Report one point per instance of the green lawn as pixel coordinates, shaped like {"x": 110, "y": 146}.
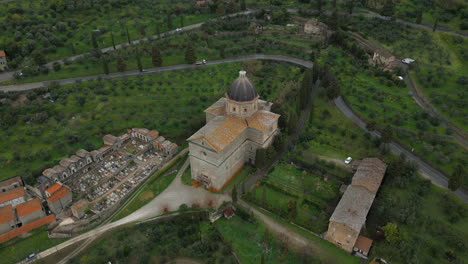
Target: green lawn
{"x": 18, "y": 249}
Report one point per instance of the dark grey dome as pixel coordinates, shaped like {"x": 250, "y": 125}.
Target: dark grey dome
{"x": 242, "y": 89}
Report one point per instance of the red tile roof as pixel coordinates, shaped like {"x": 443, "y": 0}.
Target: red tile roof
{"x": 153, "y": 133}
{"x": 2, "y": 53}
{"x": 28, "y": 207}
{"x": 53, "y": 188}
{"x": 11, "y": 194}
{"x": 6, "y": 213}
{"x": 58, "y": 194}
{"x": 363, "y": 243}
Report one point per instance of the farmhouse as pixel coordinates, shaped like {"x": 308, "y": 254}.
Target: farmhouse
{"x": 350, "y": 214}
{"x": 13, "y": 196}
{"x": 30, "y": 211}
{"x": 7, "y": 219}
{"x": 3, "y": 61}
{"x": 236, "y": 126}
{"x": 11, "y": 183}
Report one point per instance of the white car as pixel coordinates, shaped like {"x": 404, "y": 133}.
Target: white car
{"x": 407, "y": 61}
{"x": 178, "y": 30}
{"x": 400, "y": 78}
{"x": 348, "y": 160}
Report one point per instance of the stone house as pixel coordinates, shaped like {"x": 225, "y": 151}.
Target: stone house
{"x": 350, "y": 215}
{"x": 384, "y": 59}
{"x": 144, "y": 134}
{"x": 58, "y": 197}
{"x": 13, "y": 196}
{"x": 236, "y": 126}
{"x": 314, "y": 27}
{"x": 7, "y": 218}
{"x": 79, "y": 207}
{"x": 362, "y": 246}
{"x": 3, "y": 61}
{"x": 11, "y": 183}
{"x": 30, "y": 211}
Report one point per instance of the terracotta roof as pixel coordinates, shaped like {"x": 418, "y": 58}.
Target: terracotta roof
{"x": 363, "y": 243}
{"x": 218, "y": 108}
{"x": 82, "y": 153}
{"x": 2, "y": 53}
{"x": 28, "y": 207}
{"x": 370, "y": 174}
{"x": 58, "y": 194}
{"x": 11, "y": 194}
{"x": 6, "y": 213}
{"x": 353, "y": 207}
{"x": 262, "y": 120}
{"x": 10, "y": 181}
{"x": 220, "y": 131}
{"x": 153, "y": 133}
{"x": 53, "y": 188}
{"x": 80, "y": 205}
{"x": 228, "y": 212}
{"x": 109, "y": 139}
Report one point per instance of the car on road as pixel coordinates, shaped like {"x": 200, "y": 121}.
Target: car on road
{"x": 31, "y": 257}
{"x": 407, "y": 61}
{"x": 178, "y": 30}
{"x": 348, "y": 160}
{"x": 202, "y": 62}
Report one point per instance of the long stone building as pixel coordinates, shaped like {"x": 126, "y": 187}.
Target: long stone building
{"x": 236, "y": 126}
{"x": 350, "y": 214}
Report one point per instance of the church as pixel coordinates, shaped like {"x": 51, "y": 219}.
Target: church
{"x": 236, "y": 126}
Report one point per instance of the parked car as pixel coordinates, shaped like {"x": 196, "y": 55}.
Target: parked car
{"x": 200, "y": 62}
{"x": 178, "y": 30}
{"x": 348, "y": 160}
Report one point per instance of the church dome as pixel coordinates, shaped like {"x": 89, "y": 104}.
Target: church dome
{"x": 242, "y": 89}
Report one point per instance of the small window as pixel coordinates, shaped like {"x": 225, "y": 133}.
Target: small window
{"x": 234, "y": 109}
{"x": 204, "y": 153}
{"x": 245, "y": 109}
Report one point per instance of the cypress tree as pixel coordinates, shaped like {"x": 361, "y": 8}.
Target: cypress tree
{"x": 112, "y": 38}
{"x": 181, "y": 21}
{"x": 234, "y": 194}
{"x": 139, "y": 64}
{"x": 190, "y": 56}
{"x": 243, "y": 5}
{"x": 93, "y": 40}
{"x": 105, "y": 65}
{"x": 456, "y": 179}
{"x": 169, "y": 21}
{"x": 128, "y": 36}
{"x": 156, "y": 56}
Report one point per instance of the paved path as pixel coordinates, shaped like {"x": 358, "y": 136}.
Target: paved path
{"x": 435, "y": 176}
{"x": 170, "y": 199}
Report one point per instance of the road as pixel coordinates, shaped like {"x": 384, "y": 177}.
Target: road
{"x": 170, "y": 199}
{"x": 435, "y": 176}
{"x": 426, "y": 170}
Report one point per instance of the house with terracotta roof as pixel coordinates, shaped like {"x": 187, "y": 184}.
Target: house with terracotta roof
{"x": 236, "y": 126}
{"x": 11, "y": 183}
{"x": 350, "y": 214}
{"x": 30, "y": 211}
{"x": 14, "y": 196}
{"x": 7, "y": 218}
{"x": 3, "y": 61}
{"x": 58, "y": 197}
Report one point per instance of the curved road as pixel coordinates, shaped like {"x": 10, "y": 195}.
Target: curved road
{"x": 425, "y": 169}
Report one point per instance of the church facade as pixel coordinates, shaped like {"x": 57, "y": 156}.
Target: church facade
{"x": 236, "y": 126}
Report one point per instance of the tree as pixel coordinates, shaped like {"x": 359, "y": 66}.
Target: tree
{"x": 387, "y": 134}
{"x": 292, "y": 209}
{"x": 350, "y": 5}
{"x": 139, "y": 64}
{"x": 105, "y": 65}
{"x": 261, "y": 158}
{"x": 392, "y": 233}
{"x": 121, "y": 65}
{"x": 435, "y": 25}
{"x": 169, "y": 20}
{"x": 93, "y": 40}
{"x": 220, "y": 11}
{"x": 419, "y": 15}
{"x": 234, "y": 194}
{"x": 243, "y": 5}
{"x": 181, "y": 21}
{"x": 333, "y": 20}
{"x": 57, "y": 66}
{"x": 371, "y": 125}
{"x": 128, "y": 36}
{"x": 332, "y": 89}
{"x": 156, "y": 56}
{"x": 112, "y": 39}
{"x": 457, "y": 178}
{"x": 39, "y": 58}
{"x": 190, "y": 56}
{"x": 318, "y": 6}
{"x": 388, "y": 8}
